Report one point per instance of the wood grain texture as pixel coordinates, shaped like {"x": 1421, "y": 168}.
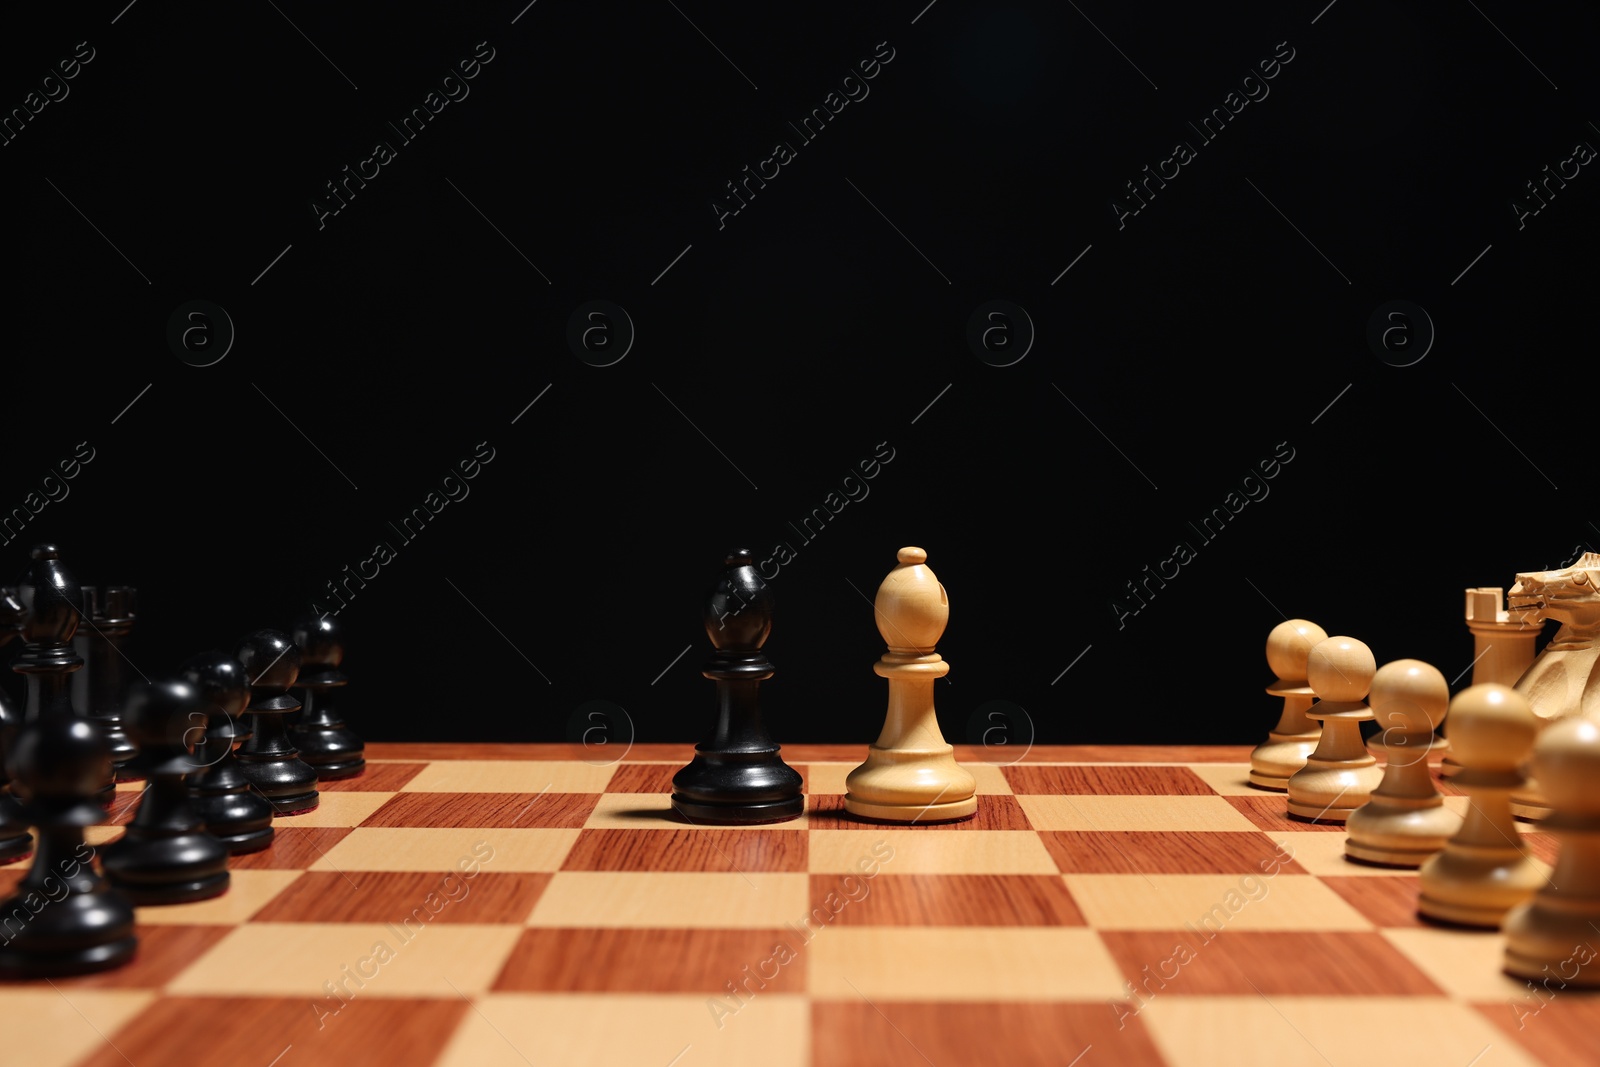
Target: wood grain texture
{"x": 1168, "y": 963}
{"x": 394, "y": 896}
{"x": 1559, "y": 1026}
{"x": 688, "y": 850}
{"x": 914, "y": 1034}
{"x": 1388, "y": 902}
{"x": 292, "y": 848}
{"x": 1154, "y": 851}
{"x": 942, "y": 900}
{"x": 1271, "y": 813}
{"x": 661, "y": 960}
{"x": 555, "y": 810}
{"x": 1110, "y": 781}
{"x": 378, "y": 777}
{"x": 230, "y": 1031}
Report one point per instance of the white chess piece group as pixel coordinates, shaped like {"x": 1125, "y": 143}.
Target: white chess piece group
{"x": 1474, "y": 871}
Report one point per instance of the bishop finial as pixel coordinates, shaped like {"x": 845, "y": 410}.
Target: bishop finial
{"x": 738, "y": 612}
{"x": 911, "y": 609}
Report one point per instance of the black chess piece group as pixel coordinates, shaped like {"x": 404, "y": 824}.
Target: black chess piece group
{"x": 63, "y": 746}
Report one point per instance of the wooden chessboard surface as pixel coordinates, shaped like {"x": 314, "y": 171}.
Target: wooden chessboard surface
{"x": 491, "y": 905}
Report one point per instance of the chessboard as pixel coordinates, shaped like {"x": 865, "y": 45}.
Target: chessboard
{"x": 490, "y": 905}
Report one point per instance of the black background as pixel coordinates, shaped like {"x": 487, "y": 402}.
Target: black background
{"x": 824, "y": 322}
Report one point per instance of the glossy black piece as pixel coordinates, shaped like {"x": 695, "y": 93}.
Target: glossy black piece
{"x": 109, "y": 612}
{"x": 165, "y": 856}
{"x": 737, "y": 775}
{"x": 12, "y": 618}
{"x": 231, "y": 811}
{"x": 53, "y": 602}
{"x": 15, "y": 843}
{"x": 268, "y": 759}
{"x": 331, "y": 748}
{"x": 63, "y": 918}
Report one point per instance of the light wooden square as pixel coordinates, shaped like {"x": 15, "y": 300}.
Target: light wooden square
{"x": 615, "y": 1030}
{"x": 337, "y": 809}
{"x": 296, "y": 959}
{"x": 428, "y": 848}
{"x": 930, "y": 852}
{"x": 1319, "y": 1031}
{"x": 1223, "y": 901}
{"x": 824, "y": 778}
{"x": 653, "y": 811}
{"x": 103, "y": 834}
{"x": 1228, "y": 779}
{"x": 1464, "y": 963}
{"x": 248, "y": 892}
{"x": 758, "y": 900}
{"x": 1099, "y": 813}
{"x": 47, "y": 1027}
{"x": 1322, "y": 853}
{"x": 510, "y": 776}
{"x": 960, "y": 963}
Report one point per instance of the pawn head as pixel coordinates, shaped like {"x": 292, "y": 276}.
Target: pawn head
{"x": 1341, "y": 669}
{"x": 1492, "y": 728}
{"x": 320, "y": 639}
{"x": 1566, "y": 761}
{"x": 165, "y": 717}
{"x": 270, "y": 659}
{"x": 1289, "y": 648}
{"x": 1409, "y": 696}
{"x": 58, "y": 766}
{"x": 221, "y": 682}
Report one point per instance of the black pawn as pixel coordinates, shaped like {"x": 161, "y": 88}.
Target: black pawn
{"x": 15, "y": 841}
{"x": 737, "y": 776}
{"x": 231, "y": 811}
{"x": 64, "y": 918}
{"x": 268, "y": 759}
{"x": 165, "y": 856}
{"x": 325, "y": 742}
{"x": 109, "y": 613}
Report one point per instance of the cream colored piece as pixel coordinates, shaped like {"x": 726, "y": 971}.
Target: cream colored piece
{"x": 911, "y": 774}
{"x": 1295, "y": 737}
{"x": 1406, "y": 821}
{"x": 1503, "y": 642}
{"x": 1552, "y": 936}
{"x": 1340, "y": 775}
{"x": 1483, "y": 871}
{"x": 1564, "y": 680}
{"x": 1503, "y": 645}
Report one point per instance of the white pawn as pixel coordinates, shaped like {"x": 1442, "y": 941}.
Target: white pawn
{"x": 1484, "y": 871}
{"x": 1554, "y": 934}
{"x": 1340, "y": 775}
{"x": 1295, "y": 737}
{"x": 1406, "y": 821}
